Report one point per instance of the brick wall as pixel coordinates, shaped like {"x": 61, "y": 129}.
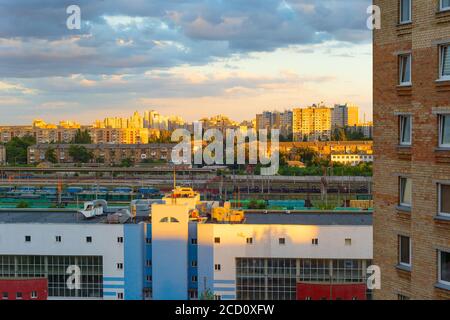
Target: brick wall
{"x": 422, "y": 162}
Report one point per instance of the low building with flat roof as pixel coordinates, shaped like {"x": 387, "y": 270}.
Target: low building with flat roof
{"x": 176, "y": 250}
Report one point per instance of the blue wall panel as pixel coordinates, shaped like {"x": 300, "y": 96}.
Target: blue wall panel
{"x": 134, "y": 261}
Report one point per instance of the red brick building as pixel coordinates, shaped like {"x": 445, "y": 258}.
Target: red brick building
{"x": 23, "y": 289}
{"x": 412, "y": 148}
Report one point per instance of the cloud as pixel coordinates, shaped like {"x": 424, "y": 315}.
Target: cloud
{"x": 131, "y": 36}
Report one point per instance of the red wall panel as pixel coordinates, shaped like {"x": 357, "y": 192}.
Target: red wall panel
{"x": 11, "y": 287}
{"x": 323, "y": 291}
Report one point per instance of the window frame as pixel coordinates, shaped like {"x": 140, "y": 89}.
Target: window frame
{"x": 441, "y": 130}
{"x": 440, "y": 213}
{"x": 441, "y": 6}
{"x": 400, "y": 11}
{"x": 402, "y": 127}
{"x": 401, "y": 192}
{"x": 401, "y": 66}
{"x": 408, "y": 265}
{"x": 441, "y": 61}
{"x": 447, "y": 283}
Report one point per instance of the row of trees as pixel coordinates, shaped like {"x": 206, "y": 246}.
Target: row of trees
{"x": 16, "y": 149}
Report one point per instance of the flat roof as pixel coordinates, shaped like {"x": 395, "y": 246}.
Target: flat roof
{"x": 311, "y": 218}
{"x": 48, "y": 216}
{"x": 42, "y": 216}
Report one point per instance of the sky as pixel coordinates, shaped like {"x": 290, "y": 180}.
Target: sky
{"x": 192, "y": 58}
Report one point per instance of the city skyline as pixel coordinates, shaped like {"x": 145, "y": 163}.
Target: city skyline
{"x": 68, "y": 122}
{"x": 233, "y": 57}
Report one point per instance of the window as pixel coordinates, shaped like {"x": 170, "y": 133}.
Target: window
{"x": 120, "y": 266}
{"x": 444, "y": 130}
{"x": 405, "y": 11}
{"x": 217, "y": 267}
{"x": 194, "y": 241}
{"x": 54, "y": 269}
{"x": 27, "y": 238}
{"x": 217, "y": 297}
{"x": 444, "y": 199}
{"x": 193, "y": 294}
{"x": 282, "y": 241}
{"x": 194, "y": 263}
{"x": 249, "y": 240}
{"x": 405, "y": 69}
{"x": 148, "y": 240}
{"x": 120, "y": 295}
{"x": 348, "y": 242}
{"x": 88, "y": 239}
{"x": 34, "y": 295}
{"x": 169, "y": 220}
{"x": 404, "y": 251}
{"x": 445, "y": 5}
{"x": 19, "y": 295}
{"x": 444, "y": 267}
{"x": 444, "y": 69}
{"x": 120, "y": 239}
{"x": 194, "y": 278}
{"x": 5, "y": 296}
{"x": 149, "y": 263}
{"x": 149, "y": 278}
{"x": 405, "y": 192}
{"x": 405, "y": 130}
{"x": 58, "y": 238}
{"x": 402, "y": 297}
{"x": 217, "y": 240}
{"x": 315, "y": 242}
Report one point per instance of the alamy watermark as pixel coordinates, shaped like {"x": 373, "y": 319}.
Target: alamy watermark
{"x": 73, "y": 22}
{"x": 191, "y": 148}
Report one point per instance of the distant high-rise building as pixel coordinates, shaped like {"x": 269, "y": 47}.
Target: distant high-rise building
{"x": 312, "y": 123}
{"x": 345, "y": 115}
{"x": 275, "y": 120}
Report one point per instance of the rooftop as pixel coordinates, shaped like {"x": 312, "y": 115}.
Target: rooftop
{"x": 311, "y": 218}
{"x": 58, "y": 216}
{"x": 47, "y": 216}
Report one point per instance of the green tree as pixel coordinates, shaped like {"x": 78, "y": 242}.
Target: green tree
{"x": 80, "y": 154}
{"x": 308, "y": 156}
{"x": 340, "y": 134}
{"x": 50, "y": 155}
{"x": 127, "y": 162}
{"x": 16, "y": 149}
{"x": 22, "y": 205}
{"x": 82, "y": 137}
